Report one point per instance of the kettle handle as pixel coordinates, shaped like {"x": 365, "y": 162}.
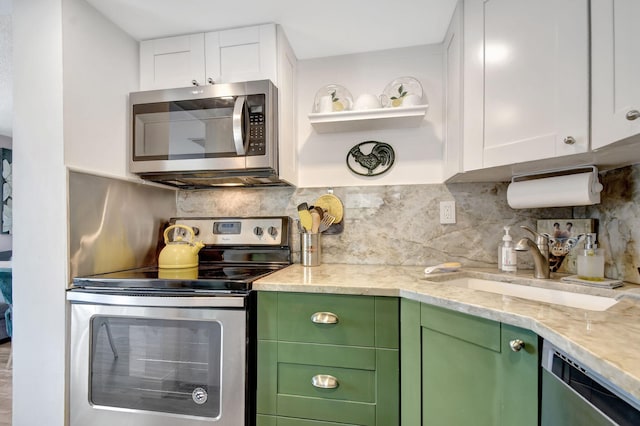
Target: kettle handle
{"x": 188, "y": 228}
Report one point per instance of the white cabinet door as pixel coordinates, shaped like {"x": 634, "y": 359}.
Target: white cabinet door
{"x": 241, "y": 54}
{"x": 452, "y": 63}
{"x": 615, "y": 78}
{"x": 526, "y": 80}
{"x": 171, "y": 62}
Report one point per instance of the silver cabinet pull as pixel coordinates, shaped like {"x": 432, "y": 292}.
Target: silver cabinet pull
{"x": 324, "y": 381}
{"x": 324, "y": 318}
{"x": 210, "y": 81}
{"x": 516, "y": 345}
{"x": 195, "y": 82}
{"x": 569, "y": 140}
{"x": 633, "y": 115}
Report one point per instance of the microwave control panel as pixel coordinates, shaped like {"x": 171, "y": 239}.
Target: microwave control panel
{"x": 257, "y": 128}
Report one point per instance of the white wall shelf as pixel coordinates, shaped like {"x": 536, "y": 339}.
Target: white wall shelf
{"x": 370, "y": 119}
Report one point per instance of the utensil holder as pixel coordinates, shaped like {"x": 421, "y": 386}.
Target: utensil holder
{"x": 310, "y": 249}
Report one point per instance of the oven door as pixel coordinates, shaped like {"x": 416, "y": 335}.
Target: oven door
{"x": 166, "y": 366}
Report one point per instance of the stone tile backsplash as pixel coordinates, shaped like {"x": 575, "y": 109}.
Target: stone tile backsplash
{"x": 400, "y": 225}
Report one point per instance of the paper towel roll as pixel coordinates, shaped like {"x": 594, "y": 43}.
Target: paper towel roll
{"x": 558, "y": 191}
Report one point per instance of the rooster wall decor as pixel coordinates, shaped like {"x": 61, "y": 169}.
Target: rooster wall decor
{"x": 381, "y": 156}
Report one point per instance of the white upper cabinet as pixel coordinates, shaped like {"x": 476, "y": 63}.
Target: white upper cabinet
{"x": 615, "y": 71}
{"x": 526, "y": 87}
{"x": 240, "y": 54}
{"x": 172, "y": 62}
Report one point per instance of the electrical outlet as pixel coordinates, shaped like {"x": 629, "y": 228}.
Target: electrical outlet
{"x": 447, "y": 212}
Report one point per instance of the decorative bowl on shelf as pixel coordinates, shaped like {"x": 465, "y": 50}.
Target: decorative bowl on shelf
{"x": 332, "y": 98}
{"x": 402, "y": 92}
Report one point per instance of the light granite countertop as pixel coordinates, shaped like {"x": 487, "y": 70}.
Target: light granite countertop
{"x": 607, "y": 342}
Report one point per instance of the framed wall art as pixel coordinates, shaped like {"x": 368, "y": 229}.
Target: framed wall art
{"x": 6, "y": 207}
{"x": 565, "y": 237}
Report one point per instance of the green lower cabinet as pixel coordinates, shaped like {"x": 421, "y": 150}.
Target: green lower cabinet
{"x": 359, "y": 362}
{"x": 460, "y": 370}
{"x": 287, "y": 421}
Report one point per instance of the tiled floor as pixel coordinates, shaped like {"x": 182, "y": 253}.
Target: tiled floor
{"x": 5, "y": 385}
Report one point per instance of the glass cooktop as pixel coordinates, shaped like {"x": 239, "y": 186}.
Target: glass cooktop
{"x": 205, "y": 277}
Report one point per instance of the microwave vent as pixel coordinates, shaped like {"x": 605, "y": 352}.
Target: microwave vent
{"x": 204, "y": 180}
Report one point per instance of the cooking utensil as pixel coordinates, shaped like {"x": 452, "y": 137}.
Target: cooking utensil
{"x": 332, "y": 205}
{"x": 305, "y": 216}
{"x": 326, "y": 222}
{"x": 315, "y": 221}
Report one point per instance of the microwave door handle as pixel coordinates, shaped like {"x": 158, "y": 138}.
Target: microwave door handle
{"x": 238, "y": 128}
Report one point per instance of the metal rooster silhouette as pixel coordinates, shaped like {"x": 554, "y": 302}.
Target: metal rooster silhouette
{"x": 381, "y": 154}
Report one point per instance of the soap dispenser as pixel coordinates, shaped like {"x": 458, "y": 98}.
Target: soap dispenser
{"x": 507, "y": 255}
{"x": 590, "y": 261}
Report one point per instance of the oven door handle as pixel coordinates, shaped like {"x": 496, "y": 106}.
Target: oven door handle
{"x": 158, "y": 301}
{"x": 239, "y": 134}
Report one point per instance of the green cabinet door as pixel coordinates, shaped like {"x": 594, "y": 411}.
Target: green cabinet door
{"x": 470, "y": 374}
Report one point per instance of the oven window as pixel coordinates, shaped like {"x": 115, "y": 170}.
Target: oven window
{"x": 159, "y": 365}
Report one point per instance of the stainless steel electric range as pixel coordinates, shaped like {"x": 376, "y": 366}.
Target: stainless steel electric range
{"x": 179, "y": 351}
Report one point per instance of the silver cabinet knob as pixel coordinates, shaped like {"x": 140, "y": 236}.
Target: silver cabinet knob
{"x": 210, "y": 81}
{"x": 516, "y": 345}
{"x": 633, "y": 115}
{"x": 195, "y": 82}
{"x": 324, "y": 318}
{"x": 569, "y": 140}
{"x": 324, "y": 381}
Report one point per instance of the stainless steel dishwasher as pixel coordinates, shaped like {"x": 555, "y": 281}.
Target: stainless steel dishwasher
{"x": 572, "y": 395}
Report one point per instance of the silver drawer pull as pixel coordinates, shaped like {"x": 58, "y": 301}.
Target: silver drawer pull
{"x": 324, "y": 318}
{"x": 324, "y": 381}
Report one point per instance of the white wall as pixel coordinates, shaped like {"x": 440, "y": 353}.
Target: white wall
{"x": 40, "y": 187}
{"x": 100, "y": 69}
{"x": 85, "y": 108}
{"x": 418, "y": 151}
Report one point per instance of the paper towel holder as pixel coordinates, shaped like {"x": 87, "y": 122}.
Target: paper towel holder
{"x": 596, "y": 186}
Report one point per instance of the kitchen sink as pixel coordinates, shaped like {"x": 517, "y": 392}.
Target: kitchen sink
{"x": 557, "y": 297}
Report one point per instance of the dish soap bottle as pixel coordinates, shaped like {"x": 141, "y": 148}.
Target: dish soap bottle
{"x": 590, "y": 261}
{"x": 507, "y": 255}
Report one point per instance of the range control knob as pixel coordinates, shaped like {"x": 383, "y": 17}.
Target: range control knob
{"x": 273, "y": 231}
{"x": 258, "y": 231}
{"x": 196, "y": 230}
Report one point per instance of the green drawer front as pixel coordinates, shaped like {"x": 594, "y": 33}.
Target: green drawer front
{"x": 353, "y": 384}
{"x": 479, "y": 331}
{"x": 329, "y": 410}
{"x": 355, "y": 326}
{"x": 327, "y": 355}
{"x": 287, "y": 421}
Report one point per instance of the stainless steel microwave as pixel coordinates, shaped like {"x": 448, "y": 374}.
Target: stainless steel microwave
{"x": 204, "y": 136}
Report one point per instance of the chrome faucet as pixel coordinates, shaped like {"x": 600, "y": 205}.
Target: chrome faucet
{"x": 539, "y": 250}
